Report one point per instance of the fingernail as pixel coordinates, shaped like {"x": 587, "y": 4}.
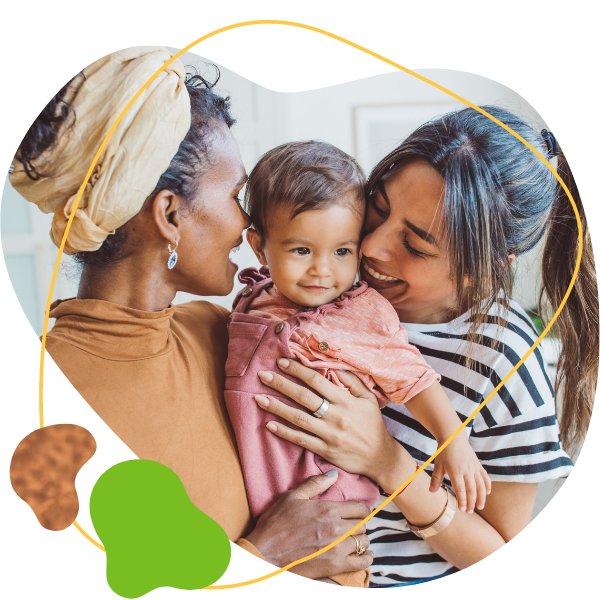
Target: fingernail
{"x": 283, "y": 362}
{"x": 262, "y": 401}
{"x": 271, "y": 426}
{"x": 331, "y": 473}
{"x": 470, "y": 512}
{"x": 265, "y": 376}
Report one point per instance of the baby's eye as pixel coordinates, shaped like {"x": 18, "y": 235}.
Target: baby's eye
{"x": 343, "y": 252}
{"x": 301, "y": 251}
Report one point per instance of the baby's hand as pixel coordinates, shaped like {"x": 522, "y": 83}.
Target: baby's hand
{"x": 469, "y": 479}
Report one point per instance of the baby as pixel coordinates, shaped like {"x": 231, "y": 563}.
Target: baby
{"x": 307, "y": 203}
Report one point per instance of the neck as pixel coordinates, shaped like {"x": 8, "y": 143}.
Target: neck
{"x": 426, "y": 317}
{"x": 441, "y": 313}
{"x": 130, "y": 282}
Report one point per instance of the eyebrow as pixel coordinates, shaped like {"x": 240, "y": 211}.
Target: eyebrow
{"x": 308, "y": 242}
{"x": 424, "y": 235}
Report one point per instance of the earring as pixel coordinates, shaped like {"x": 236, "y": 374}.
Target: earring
{"x": 172, "y": 256}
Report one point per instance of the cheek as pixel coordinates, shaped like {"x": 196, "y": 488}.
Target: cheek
{"x": 426, "y": 274}
{"x": 346, "y": 271}
{"x": 282, "y": 268}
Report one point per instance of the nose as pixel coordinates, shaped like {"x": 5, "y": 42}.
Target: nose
{"x": 320, "y": 267}
{"x": 378, "y": 244}
{"x": 246, "y": 217}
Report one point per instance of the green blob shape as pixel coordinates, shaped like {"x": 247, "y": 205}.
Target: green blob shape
{"x": 153, "y": 535}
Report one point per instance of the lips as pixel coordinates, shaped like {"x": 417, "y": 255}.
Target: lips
{"x": 378, "y": 275}
{"x": 237, "y": 245}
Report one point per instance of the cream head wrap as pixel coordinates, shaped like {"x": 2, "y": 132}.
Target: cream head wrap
{"x": 137, "y": 154}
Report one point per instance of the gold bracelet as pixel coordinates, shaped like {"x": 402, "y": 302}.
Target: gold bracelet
{"x": 442, "y": 521}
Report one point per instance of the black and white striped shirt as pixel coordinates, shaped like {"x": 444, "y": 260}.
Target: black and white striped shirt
{"x": 515, "y": 435}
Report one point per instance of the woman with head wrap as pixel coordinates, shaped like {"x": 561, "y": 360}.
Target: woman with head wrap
{"x": 161, "y": 214}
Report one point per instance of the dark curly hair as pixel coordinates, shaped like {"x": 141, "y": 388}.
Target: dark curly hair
{"x": 209, "y": 111}
{"x": 43, "y": 132}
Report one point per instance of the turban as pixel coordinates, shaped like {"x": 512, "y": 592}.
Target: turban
{"x": 137, "y": 154}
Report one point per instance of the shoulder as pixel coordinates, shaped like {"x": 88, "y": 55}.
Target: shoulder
{"x": 507, "y": 336}
{"x": 372, "y": 304}
{"x": 509, "y": 324}
{"x": 202, "y": 325}
{"x": 200, "y": 312}
{"x": 366, "y": 314}
{"x": 506, "y": 331}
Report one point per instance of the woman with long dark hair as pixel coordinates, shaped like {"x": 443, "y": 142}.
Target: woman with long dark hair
{"x": 450, "y": 210}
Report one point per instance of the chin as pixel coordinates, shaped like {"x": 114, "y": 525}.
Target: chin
{"x": 221, "y": 286}
{"x": 227, "y": 287}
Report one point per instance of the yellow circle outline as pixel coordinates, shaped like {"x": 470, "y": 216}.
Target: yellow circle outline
{"x": 405, "y": 70}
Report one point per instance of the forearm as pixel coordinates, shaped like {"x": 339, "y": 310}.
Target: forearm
{"x": 467, "y": 539}
{"x": 470, "y": 538}
{"x": 433, "y": 409}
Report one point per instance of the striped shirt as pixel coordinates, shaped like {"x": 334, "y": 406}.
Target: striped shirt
{"x": 515, "y": 435}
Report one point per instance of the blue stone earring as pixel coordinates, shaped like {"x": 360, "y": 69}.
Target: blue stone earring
{"x": 172, "y": 256}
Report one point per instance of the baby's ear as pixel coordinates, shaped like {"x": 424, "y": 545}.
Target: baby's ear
{"x": 256, "y": 244}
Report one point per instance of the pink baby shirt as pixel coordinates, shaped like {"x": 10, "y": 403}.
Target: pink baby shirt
{"x": 358, "y": 332}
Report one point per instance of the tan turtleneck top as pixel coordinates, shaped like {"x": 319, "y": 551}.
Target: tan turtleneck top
{"x": 157, "y": 380}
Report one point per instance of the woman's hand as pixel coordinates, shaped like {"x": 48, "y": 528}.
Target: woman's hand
{"x": 296, "y": 526}
{"x": 351, "y": 434}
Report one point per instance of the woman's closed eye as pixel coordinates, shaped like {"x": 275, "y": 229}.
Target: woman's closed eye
{"x": 238, "y": 201}
{"x": 412, "y": 250}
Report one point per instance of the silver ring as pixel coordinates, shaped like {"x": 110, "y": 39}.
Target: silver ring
{"x": 322, "y": 409}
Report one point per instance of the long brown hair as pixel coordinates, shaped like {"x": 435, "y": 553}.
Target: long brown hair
{"x": 577, "y": 324}
{"x": 500, "y": 199}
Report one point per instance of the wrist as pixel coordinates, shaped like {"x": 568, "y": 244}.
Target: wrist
{"x": 384, "y": 493}
{"x": 441, "y": 522}
{"x": 256, "y": 539}
{"x": 442, "y": 436}
{"x": 398, "y": 467}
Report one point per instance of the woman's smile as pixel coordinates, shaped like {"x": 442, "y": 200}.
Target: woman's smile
{"x": 235, "y": 248}
{"x": 376, "y": 278}
{"x": 378, "y": 273}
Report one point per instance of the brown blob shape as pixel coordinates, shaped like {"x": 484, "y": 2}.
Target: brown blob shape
{"x": 43, "y": 470}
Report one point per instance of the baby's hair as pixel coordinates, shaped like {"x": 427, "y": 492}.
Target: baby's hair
{"x": 301, "y": 176}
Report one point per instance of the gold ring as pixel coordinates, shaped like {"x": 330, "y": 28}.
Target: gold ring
{"x": 360, "y": 549}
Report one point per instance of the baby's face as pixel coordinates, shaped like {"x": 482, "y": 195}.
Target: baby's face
{"x": 313, "y": 258}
